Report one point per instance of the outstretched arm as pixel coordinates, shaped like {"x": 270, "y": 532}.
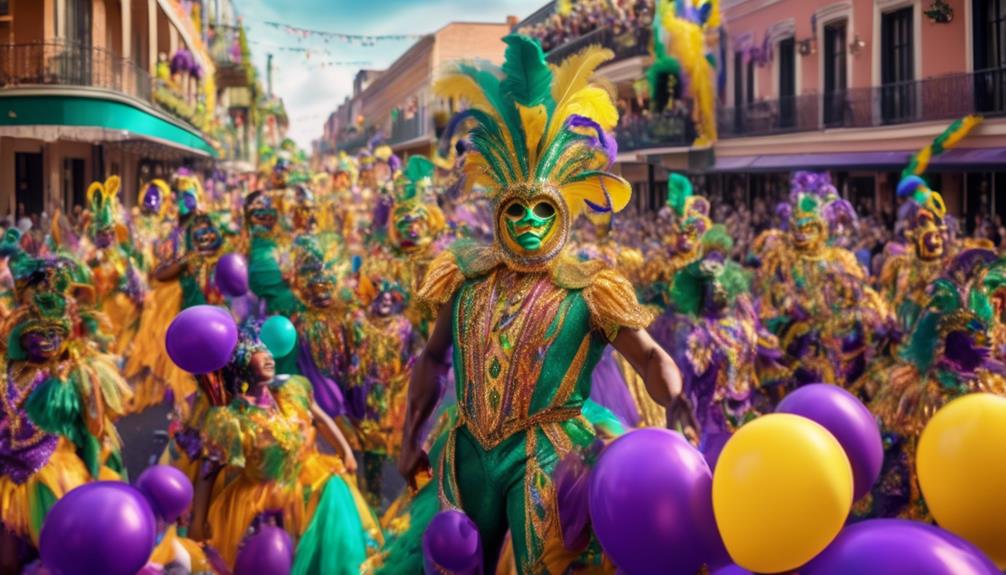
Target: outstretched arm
{"x": 659, "y": 372}
{"x": 333, "y": 435}
{"x": 424, "y": 391}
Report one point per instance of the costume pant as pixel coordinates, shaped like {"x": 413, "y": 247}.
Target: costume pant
{"x": 509, "y": 487}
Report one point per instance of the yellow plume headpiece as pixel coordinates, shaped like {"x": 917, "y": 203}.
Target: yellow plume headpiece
{"x": 539, "y": 125}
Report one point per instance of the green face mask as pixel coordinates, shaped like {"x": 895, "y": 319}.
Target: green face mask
{"x": 529, "y": 227}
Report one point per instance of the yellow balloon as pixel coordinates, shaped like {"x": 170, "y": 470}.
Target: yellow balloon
{"x": 782, "y": 490}
{"x": 961, "y": 463}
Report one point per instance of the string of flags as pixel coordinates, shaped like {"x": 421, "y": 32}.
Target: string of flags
{"x": 358, "y": 39}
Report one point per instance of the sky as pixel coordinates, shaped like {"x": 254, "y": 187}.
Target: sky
{"x": 314, "y": 83}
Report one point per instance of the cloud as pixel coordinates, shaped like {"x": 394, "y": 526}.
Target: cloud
{"x": 311, "y": 91}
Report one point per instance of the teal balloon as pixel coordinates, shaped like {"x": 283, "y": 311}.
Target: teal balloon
{"x": 279, "y": 335}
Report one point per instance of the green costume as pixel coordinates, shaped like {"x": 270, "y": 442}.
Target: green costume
{"x": 529, "y": 322}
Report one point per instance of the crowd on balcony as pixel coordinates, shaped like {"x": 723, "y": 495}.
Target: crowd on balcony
{"x": 585, "y": 16}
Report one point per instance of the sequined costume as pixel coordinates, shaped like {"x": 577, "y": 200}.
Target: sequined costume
{"x": 814, "y": 296}
{"x": 906, "y": 275}
{"x": 383, "y": 342}
{"x": 949, "y": 353}
{"x": 181, "y": 277}
{"x": 273, "y": 472}
{"x": 59, "y": 396}
{"x": 527, "y": 320}
{"x": 714, "y": 334}
{"x": 120, "y": 284}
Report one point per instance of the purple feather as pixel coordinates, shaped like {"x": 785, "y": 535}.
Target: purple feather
{"x": 601, "y": 139}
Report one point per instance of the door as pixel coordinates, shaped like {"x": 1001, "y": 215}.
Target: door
{"x": 787, "y": 83}
{"x": 990, "y": 55}
{"x": 897, "y": 94}
{"x": 28, "y": 183}
{"x": 835, "y": 77}
{"x": 74, "y": 185}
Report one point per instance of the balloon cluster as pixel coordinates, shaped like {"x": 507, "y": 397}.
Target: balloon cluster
{"x": 201, "y": 339}
{"x": 783, "y": 488}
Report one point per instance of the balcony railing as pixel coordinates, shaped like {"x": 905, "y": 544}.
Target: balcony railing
{"x": 667, "y": 130}
{"x": 625, "y": 45}
{"x": 941, "y": 98}
{"x": 63, "y": 64}
{"x": 350, "y": 143}
{"x": 403, "y": 130}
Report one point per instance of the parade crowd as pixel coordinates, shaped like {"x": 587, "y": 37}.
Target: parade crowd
{"x": 453, "y": 317}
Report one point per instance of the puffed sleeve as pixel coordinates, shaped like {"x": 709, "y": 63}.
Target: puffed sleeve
{"x": 613, "y": 305}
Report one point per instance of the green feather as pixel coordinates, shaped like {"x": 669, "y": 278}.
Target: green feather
{"x": 55, "y": 407}
{"x": 921, "y": 348}
{"x": 528, "y": 80}
{"x": 490, "y": 84}
{"x": 679, "y": 189}
{"x": 687, "y": 290}
{"x": 556, "y": 151}
{"x": 718, "y": 239}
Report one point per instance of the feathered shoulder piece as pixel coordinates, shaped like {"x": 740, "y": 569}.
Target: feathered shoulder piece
{"x": 535, "y": 124}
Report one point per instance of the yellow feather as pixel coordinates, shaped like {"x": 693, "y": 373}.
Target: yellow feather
{"x": 570, "y": 78}
{"x": 112, "y": 186}
{"x": 462, "y": 87}
{"x": 968, "y": 123}
{"x": 574, "y": 73}
{"x": 94, "y": 188}
{"x": 592, "y": 190}
{"x": 592, "y": 102}
{"x": 533, "y": 121}
{"x": 477, "y": 171}
{"x": 922, "y": 159}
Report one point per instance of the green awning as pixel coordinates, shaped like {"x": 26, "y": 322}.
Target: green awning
{"x": 53, "y": 110}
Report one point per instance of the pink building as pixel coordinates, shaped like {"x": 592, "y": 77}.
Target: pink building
{"x": 855, "y": 86}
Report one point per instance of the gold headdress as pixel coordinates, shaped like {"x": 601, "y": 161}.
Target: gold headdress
{"x": 540, "y": 139}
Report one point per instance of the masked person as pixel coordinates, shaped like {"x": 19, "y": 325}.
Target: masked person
{"x": 527, "y": 320}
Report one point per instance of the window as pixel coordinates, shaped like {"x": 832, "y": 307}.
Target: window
{"x": 4, "y": 7}
{"x": 787, "y": 83}
{"x": 835, "y": 76}
{"x": 990, "y": 55}
{"x": 897, "y": 66}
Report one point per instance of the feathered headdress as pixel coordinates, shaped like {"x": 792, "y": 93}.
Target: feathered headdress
{"x": 540, "y": 132}
{"x": 102, "y": 198}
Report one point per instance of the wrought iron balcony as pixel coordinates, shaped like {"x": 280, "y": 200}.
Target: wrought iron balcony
{"x": 941, "y": 98}
{"x": 71, "y": 64}
{"x": 63, "y": 64}
{"x": 625, "y": 45}
{"x": 667, "y": 130}
{"x": 405, "y": 129}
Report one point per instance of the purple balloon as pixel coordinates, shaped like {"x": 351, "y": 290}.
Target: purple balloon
{"x": 201, "y": 339}
{"x": 268, "y": 552}
{"x": 231, "y": 275}
{"x": 731, "y": 569}
{"x": 899, "y": 547}
{"x": 451, "y": 544}
{"x": 651, "y": 505}
{"x": 849, "y": 421}
{"x": 103, "y": 527}
{"x": 168, "y": 490}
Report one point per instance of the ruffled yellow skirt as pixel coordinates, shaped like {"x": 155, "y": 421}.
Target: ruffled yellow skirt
{"x": 149, "y": 368}
{"x": 123, "y": 314}
{"x": 23, "y": 507}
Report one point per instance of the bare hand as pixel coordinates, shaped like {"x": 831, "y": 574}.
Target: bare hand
{"x": 349, "y": 460}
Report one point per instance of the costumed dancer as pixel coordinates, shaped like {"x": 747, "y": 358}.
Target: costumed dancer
{"x": 120, "y": 285}
{"x": 814, "y": 296}
{"x": 904, "y": 277}
{"x": 384, "y": 343}
{"x": 715, "y": 336}
{"x": 949, "y": 352}
{"x": 182, "y": 277}
{"x": 268, "y": 470}
{"x": 59, "y": 395}
{"x": 527, "y": 320}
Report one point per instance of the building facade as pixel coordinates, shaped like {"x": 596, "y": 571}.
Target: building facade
{"x": 92, "y": 88}
{"x": 397, "y": 105}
